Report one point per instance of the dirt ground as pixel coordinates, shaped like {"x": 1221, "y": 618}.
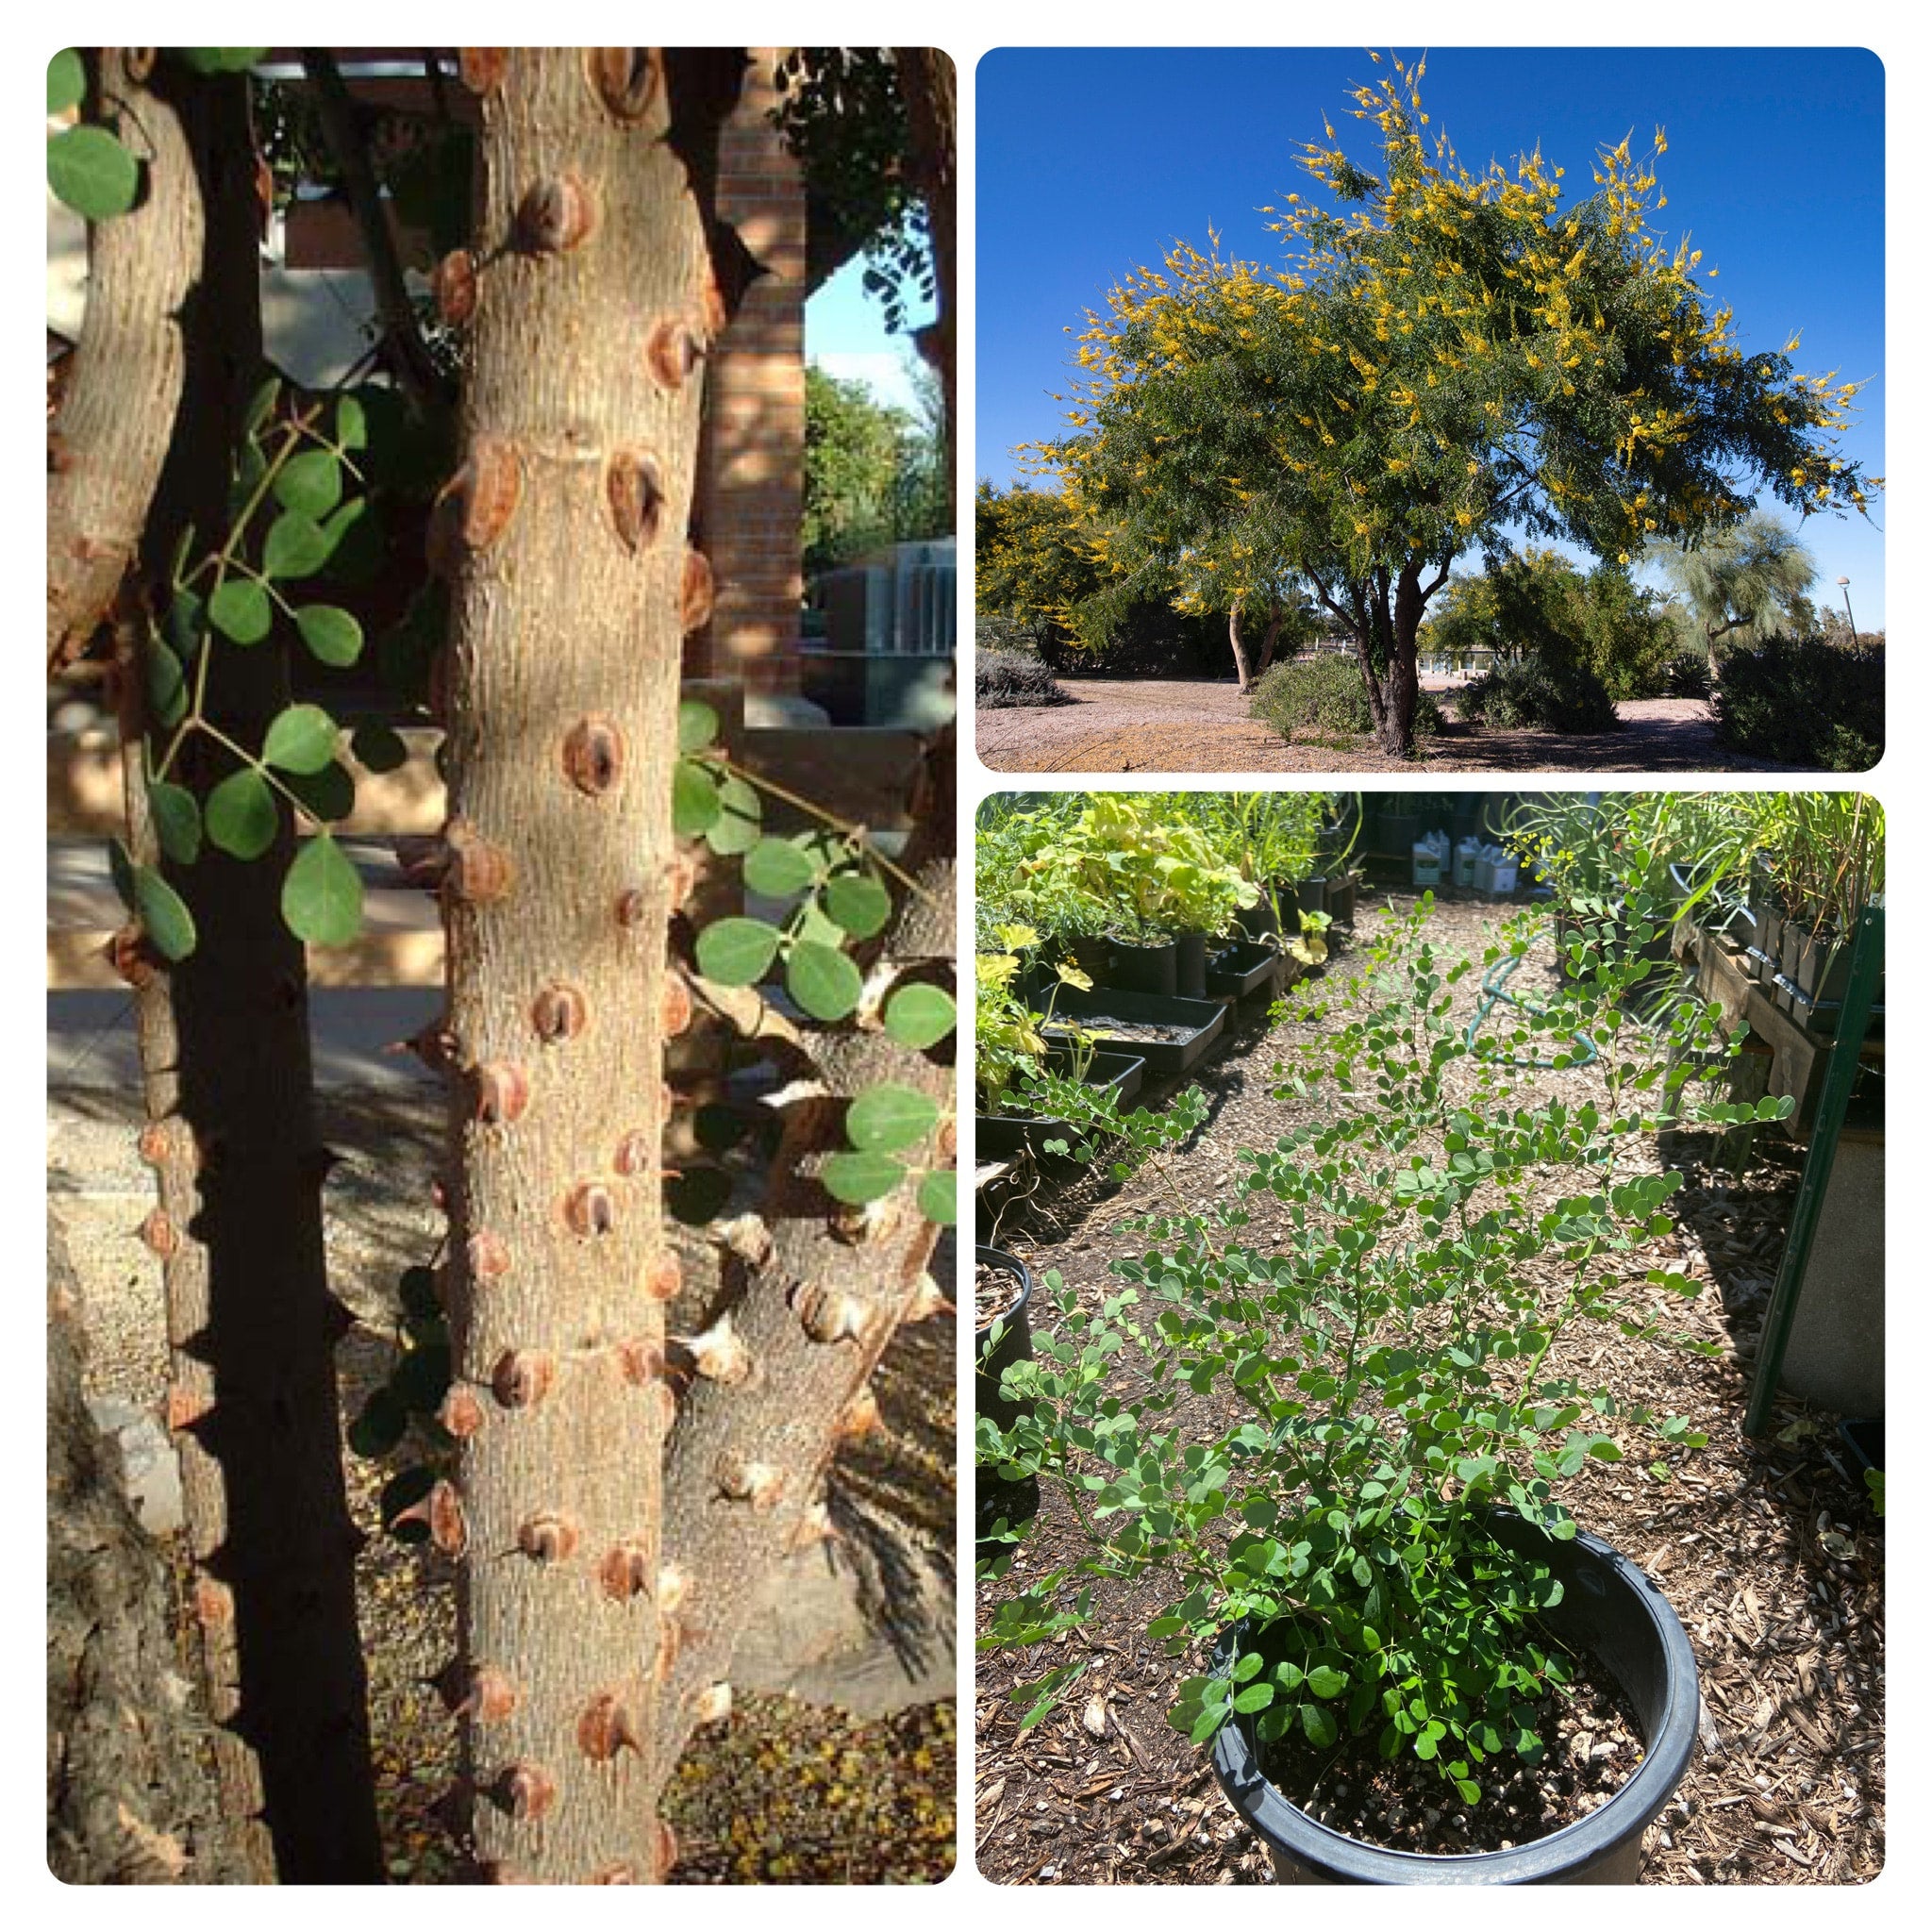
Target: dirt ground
{"x": 1202, "y": 724}
{"x": 1767, "y": 1549}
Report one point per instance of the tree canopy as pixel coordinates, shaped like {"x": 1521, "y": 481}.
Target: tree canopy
{"x": 1443, "y": 357}
{"x": 1751, "y": 579}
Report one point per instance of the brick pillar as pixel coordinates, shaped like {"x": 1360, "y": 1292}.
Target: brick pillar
{"x": 751, "y": 464}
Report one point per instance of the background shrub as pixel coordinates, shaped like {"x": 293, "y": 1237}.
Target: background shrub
{"x": 1532, "y": 693}
{"x": 1687, "y": 675}
{"x": 1003, "y": 679}
{"x": 1323, "y": 690}
{"x": 1801, "y": 701}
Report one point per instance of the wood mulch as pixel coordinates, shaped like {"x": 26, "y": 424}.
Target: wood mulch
{"x": 1767, "y": 1549}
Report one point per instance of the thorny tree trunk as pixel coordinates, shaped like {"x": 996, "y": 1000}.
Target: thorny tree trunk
{"x": 824, "y": 1287}
{"x": 130, "y": 1800}
{"x": 1396, "y": 726}
{"x": 224, "y": 1047}
{"x": 1268, "y": 638}
{"x": 594, "y": 302}
{"x": 106, "y": 445}
{"x": 928, "y": 87}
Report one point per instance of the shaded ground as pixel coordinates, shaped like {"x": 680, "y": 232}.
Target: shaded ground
{"x": 785, "y": 1790}
{"x": 1202, "y": 724}
{"x": 1767, "y": 1549}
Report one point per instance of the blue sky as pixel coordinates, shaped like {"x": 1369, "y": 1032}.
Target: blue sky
{"x": 845, "y": 334}
{"x": 1092, "y": 162}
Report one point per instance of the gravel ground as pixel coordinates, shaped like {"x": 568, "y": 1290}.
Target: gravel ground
{"x": 784, "y": 1791}
{"x": 1767, "y": 1548}
{"x": 1202, "y": 724}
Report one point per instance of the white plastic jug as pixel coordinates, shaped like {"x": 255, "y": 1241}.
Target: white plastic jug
{"x": 1465, "y": 859}
{"x": 1503, "y": 870}
{"x": 1426, "y": 856}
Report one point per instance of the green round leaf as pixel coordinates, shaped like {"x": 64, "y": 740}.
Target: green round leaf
{"x": 697, "y": 725}
{"x": 856, "y": 1178}
{"x": 241, "y": 815}
{"x": 296, "y": 546}
{"x": 417, "y": 1290}
{"x": 777, "y": 868}
{"x": 167, "y": 922}
{"x": 311, "y": 482}
{"x": 261, "y": 405}
{"x": 884, "y": 1119}
{"x": 322, "y": 897}
{"x": 332, "y": 635}
{"x": 90, "y": 170}
{"x": 302, "y": 739}
{"x": 420, "y": 1378}
{"x": 938, "y": 1198}
{"x": 66, "y": 81}
{"x": 352, "y": 422}
{"x": 693, "y": 799}
{"x": 1324, "y": 1680}
{"x": 382, "y": 1425}
{"x": 221, "y": 59}
{"x": 1252, "y": 1698}
{"x": 167, "y": 686}
{"x": 736, "y": 952}
{"x": 920, "y": 1016}
{"x": 239, "y": 609}
{"x": 178, "y": 821}
{"x": 182, "y": 629}
{"x": 736, "y": 828}
{"x": 328, "y": 795}
{"x": 377, "y": 748}
{"x": 697, "y": 1195}
{"x": 824, "y": 983}
{"x": 857, "y": 902}
{"x": 1320, "y": 1726}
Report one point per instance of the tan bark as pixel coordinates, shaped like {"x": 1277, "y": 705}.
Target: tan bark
{"x": 868, "y": 1269}
{"x": 572, "y": 596}
{"x": 109, "y": 440}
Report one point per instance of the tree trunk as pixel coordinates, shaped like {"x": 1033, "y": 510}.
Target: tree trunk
{"x": 106, "y": 445}
{"x": 1395, "y": 728}
{"x": 574, "y": 590}
{"x": 825, "y": 1287}
{"x": 929, "y": 89}
{"x": 1268, "y": 638}
{"x": 226, "y": 1081}
{"x": 1243, "y": 677}
{"x": 130, "y": 1800}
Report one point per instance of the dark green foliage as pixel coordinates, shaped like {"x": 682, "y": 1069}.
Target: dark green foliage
{"x": 872, "y": 474}
{"x": 1324, "y": 691}
{"x": 1003, "y": 679}
{"x": 1800, "y": 701}
{"x": 1687, "y": 675}
{"x": 1535, "y": 694}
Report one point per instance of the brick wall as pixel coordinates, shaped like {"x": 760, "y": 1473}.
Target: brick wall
{"x": 751, "y": 465}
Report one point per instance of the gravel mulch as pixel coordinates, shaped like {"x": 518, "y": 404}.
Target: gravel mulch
{"x": 1767, "y": 1549}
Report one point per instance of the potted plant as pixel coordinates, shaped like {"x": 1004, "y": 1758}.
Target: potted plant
{"x": 1362, "y": 1533}
{"x": 1002, "y": 1291}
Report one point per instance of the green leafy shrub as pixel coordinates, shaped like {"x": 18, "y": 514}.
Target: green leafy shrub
{"x": 1003, "y": 679}
{"x": 1801, "y": 701}
{"x": 1323, "y": 690}
{"x": 1535, "y": 694}
{"x": 1383, "y": 1366}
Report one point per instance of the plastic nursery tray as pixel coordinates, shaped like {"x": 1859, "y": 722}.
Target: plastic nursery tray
{"x": 996, "y": 1136}
{"x": 1195, "y": 1023}
{"x": 1245, "y": 967}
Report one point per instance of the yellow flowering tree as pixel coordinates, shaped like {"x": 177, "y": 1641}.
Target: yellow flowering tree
{"x": 1445, "y": 357}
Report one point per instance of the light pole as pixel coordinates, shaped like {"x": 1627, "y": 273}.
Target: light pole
{"x": 1845, "y": 584}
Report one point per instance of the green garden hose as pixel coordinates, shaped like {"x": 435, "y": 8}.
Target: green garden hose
{"x": 1494, "y": 992}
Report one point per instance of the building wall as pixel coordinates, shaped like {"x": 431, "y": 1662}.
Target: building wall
{"x": 751, "y": 466}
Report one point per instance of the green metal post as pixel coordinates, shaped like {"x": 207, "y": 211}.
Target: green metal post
{"x": 1868, "y": 959}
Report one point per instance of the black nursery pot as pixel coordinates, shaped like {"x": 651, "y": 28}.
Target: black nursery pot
{"x": 1014, "y": 1342}
{"x": 1258, "y": 921}
{"x": 1610, "y": 1607}
{"x": 1312, "y": 895}
{"x": 1191, "y": 965}
{"x": 1091, "y": 953}
{"x": 1341, "y": 899}
{"x": 1145, "y": 968}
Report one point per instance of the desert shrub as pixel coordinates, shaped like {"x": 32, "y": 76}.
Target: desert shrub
{"x": 1801, "y": 701}
{"x": 1687, "y": 675}
{"x": 1143, "y": 638}
{"x": 1002, "y": 679}
{"x": 1532, "y": 693}
{"x": 1325, "y": 691}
